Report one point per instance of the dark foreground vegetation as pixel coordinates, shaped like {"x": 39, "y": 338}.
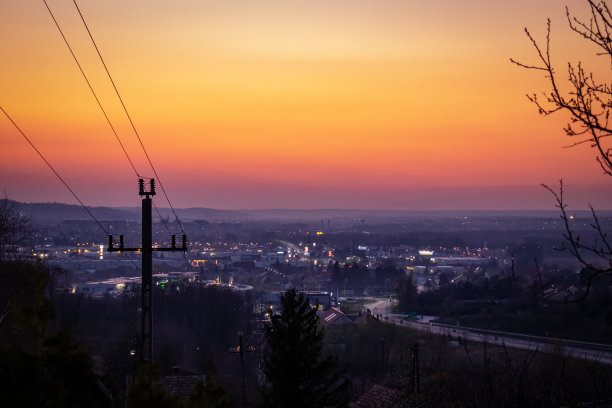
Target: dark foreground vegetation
{"x": 64, "y": 350}
{"x": 525, "y": 305}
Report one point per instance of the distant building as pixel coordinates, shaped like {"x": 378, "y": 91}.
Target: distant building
{"x": 273, "y": 299}
{"x": 462, "y": 260}
{"x": 180, "y": 383}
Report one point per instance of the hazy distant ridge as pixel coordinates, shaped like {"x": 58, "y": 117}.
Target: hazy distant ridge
{"x": 57, "y": 212}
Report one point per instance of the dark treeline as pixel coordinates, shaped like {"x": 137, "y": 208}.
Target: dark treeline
{"x": 457, "y": 373}
{"x": 194, "y": 327}
{"x": 47, "y": 342}
{"x": 518, "y": 304}
{"x": 39, "y": 366}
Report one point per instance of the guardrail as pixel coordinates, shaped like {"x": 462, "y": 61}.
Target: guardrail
{"x": 531, "y": 338}
{"x": 553, "y": 341}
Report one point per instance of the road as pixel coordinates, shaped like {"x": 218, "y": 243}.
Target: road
{"x": 381, "y": 307}
{"x": 579, "y": 349}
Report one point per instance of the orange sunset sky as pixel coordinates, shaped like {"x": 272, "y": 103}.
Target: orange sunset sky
{"x": 382, "y": 104}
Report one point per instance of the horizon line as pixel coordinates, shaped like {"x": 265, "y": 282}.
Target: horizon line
{"x": 555, "y": 210}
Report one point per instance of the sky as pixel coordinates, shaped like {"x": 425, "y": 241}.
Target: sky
{"x": 249, "y": 104}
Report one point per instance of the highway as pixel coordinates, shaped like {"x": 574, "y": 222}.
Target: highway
{"x": 579, "y": 349}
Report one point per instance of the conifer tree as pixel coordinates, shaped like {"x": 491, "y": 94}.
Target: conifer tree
{"x": 297, "y": 373}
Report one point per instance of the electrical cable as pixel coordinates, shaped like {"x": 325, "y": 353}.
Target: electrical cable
{"x": 58, "y": 175}
{"x": 161, "y": 218}
{"x": 128, "y": 116}
{"x": 95, "y": 96}
{"x": 53, "y": 170}
{"x": 180, "y": 224}
{"x": 124, "y": 108}
{"x": 185, "y": 256}
{"x": 91, "y": 89}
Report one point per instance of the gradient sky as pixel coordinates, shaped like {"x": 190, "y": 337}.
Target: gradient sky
{"x": 380, "y": 104}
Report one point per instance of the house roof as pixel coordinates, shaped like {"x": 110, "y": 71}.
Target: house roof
{"x": 333, "y": 315}
{"x": 378, "y": 396}
{"x": 365, "y": 318}
{"x": 180, "y": 384}
{"x": 390, "y": 392}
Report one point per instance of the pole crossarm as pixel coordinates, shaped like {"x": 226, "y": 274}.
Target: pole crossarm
{"x": 120, "y": 248}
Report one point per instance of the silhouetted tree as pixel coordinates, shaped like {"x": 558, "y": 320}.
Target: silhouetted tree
{"x": 297, "y": 374}
{"x": 145, "y": 391}
{"x": 25, "y": 307}
{"x": 14, "y": 227}
{"x": 357, "y": 275}
{"x": 337, "y": 275}
{"x": 443, "y": 279}
{"x": 406, "y": 293}
{"x": 56, "y": 374}
{"x": 588, "y": 103}
{"x": 387, "y": 272}
{"x": 209, "y": 395}
{"x": 40, "y": 368}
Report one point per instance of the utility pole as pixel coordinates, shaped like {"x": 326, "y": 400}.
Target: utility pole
{"x": 240, "y": 335}
{"x": 415, "y": 380}
{"x": 146, "y": 318}
{"x": 240, "y": 350}
{"x": 383, "y": 359}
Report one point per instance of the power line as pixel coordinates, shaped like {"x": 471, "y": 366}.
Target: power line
{"x": 59, "y": 177}
{"x": 128, "y": 116}
{"x": 96, "y": 97}
{"x": 186, "y": 256}
{"x": 162, "y": 219}
{"x": 92, "y": 90}
{"x": 53, "y": 170}
{"x": 106, "y": 115}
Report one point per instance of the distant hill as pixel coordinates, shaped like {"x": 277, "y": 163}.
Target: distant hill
{"x": 384, "y": 215}
{"x": 50, "y": 213}
{"x": 208, "y": 214}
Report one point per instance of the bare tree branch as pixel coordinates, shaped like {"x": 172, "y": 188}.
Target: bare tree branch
{"x": 14, "y": 227}
{"x": 588, "y": 104}
{"x": 573, "y": 244}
